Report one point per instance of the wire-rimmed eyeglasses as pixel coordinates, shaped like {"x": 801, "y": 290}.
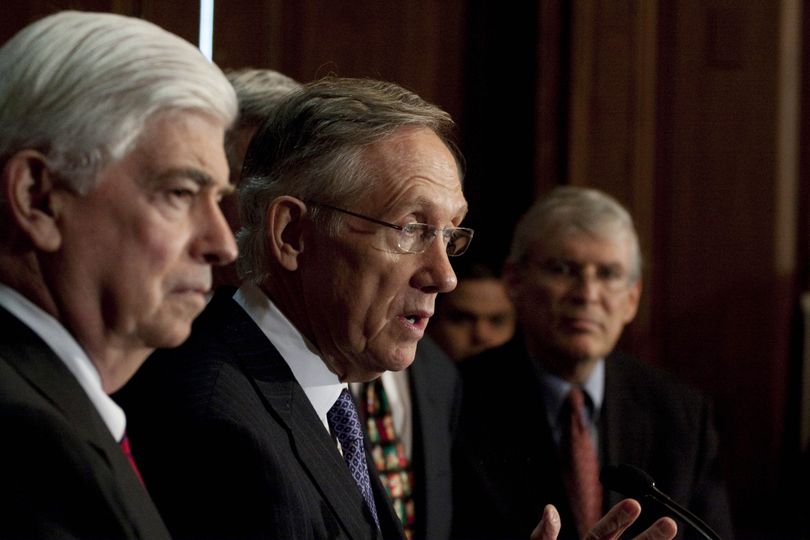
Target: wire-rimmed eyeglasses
{"x": 417, "y": 237}
{"x": 610, "y": 277}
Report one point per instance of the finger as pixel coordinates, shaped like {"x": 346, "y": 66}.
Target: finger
{"x": 549, "y": 526}
{"x": 663, "y": 529}
{"x": 614, "y": 523}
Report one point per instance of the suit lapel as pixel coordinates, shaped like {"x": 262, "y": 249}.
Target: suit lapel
{"x": 627, "y": 429}
{"x": 314, "y": 447}
{"x": 45, "y": 372}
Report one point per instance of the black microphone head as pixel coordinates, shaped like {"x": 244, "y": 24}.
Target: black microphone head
{"x": 627, "y": 480}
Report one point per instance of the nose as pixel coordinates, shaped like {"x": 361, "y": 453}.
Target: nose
{"x": 482, "y": 331}
{"x": 586, "y": 286}
{"x": 436, "y": 273}
{"x": 215, "y": 243}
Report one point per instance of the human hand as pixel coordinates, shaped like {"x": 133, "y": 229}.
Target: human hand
{"x": 610, "y": 527}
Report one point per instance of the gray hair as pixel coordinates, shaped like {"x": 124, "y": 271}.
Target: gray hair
{"x": 259, "y": 92}
{"x": 312, "y": 149}
{"x": 81, "y": 87}
{"x": 571, "y": 208}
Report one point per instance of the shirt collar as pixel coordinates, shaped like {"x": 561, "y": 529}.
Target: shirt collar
{"x": 320, "y": 385}
{"x": 556, "y": 391}
{"x": 68, "y": 350}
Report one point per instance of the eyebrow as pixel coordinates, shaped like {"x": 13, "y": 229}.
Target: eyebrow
{"x": 429, "y": 203}
{"x": 201, "y": 178}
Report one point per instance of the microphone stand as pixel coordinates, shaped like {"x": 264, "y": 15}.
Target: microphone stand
{"x": 633, "y": 482}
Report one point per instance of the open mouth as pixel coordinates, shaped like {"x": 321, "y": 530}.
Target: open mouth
{"x": 416, "y": 320}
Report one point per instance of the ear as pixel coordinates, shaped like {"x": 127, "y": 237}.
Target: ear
{"x": 29, "y": 188}
{"x": 632, "y": 302}
{"x": 285, "y": 220}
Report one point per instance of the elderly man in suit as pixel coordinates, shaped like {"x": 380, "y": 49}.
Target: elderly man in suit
{"x": 111, "y": 166}
{"x": 422, "y": 401}
{"x": 542, "y": 412}
{"x": 351, "y": 204}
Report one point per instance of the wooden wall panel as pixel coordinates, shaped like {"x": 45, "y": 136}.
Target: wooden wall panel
{"x": 416, "y": 44}
{"x": 674, "y": 107}
{"x": 725, "y": 303}
{"x": 179, "y": 16}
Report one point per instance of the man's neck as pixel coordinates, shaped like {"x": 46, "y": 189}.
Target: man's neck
{"x": 572, "y": 370}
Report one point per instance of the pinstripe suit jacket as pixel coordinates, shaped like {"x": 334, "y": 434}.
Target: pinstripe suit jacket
{"x": 230, "y": 446}
{"x": 63, "y": 475}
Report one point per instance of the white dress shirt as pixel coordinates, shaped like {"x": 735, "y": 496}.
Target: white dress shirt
{"x": 321, "y": 385}
{"x": 70, "y": 352}
{"x": 556, "y": 393}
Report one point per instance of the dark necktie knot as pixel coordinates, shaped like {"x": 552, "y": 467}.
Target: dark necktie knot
{"x": 344, "y": 420}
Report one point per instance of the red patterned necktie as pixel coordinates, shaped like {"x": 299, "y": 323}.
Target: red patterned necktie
{"x": 127, "y": 450}
{"x": 582, "y": 478}
{"x": 388, "y": 452}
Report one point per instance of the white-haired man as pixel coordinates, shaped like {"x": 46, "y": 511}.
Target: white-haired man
{"x": 111, "y": 167}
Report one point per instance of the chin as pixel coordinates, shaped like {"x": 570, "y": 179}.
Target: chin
{"x": 168, "y": 338}
{"x": 400, "y": 363}
{"x": 578, "y": 352}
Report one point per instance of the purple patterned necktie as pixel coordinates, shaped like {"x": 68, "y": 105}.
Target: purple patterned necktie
{"x": 345, "y": 424}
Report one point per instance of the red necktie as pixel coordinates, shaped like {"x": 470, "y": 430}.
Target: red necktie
{"x": 582, "y": 478}
{"x": 125, "y": 448}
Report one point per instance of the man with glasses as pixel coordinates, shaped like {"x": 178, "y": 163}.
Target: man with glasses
{"x": 351, "y": 205}
{"x": 541, "y": 413}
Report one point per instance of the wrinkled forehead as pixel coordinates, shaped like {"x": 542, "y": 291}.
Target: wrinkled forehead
{"x": 414, "y": 167}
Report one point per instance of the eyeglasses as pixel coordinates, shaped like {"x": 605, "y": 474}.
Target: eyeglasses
{"x": 417, "y": 237}
{"x": 610, "y": 277}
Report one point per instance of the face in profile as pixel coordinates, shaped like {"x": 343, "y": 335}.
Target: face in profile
{"x": 476, "y": 316}
{"x": 574, "y": 295}
{"x": 137, "y": 250}
{"x": 368, "y": 303}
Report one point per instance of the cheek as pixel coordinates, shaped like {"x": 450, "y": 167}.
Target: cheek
{"x": 502, "y": 331}
{"x": 382, "y": 298}
{"x": 153, "y": 265}
{"x": 459, "y": 333}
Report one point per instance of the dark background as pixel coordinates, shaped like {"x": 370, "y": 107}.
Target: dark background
{"x": 693, "y": 113}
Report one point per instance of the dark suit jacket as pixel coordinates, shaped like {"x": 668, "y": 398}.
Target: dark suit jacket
{"x": 436, "y": 398}
{"x": 506, "y": 462}
{"x": 230, "y": 446}
{"x": 63, "y": 474}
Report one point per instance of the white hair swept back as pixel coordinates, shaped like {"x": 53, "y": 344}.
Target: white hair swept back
{"x": 80, "y": 87}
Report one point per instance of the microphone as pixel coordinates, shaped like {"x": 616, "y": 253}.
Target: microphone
{"x": 633, "y": 482}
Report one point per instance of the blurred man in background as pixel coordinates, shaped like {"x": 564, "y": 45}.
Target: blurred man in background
{"x": 543, "y": 412}
{"x": 477, "y": 315}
